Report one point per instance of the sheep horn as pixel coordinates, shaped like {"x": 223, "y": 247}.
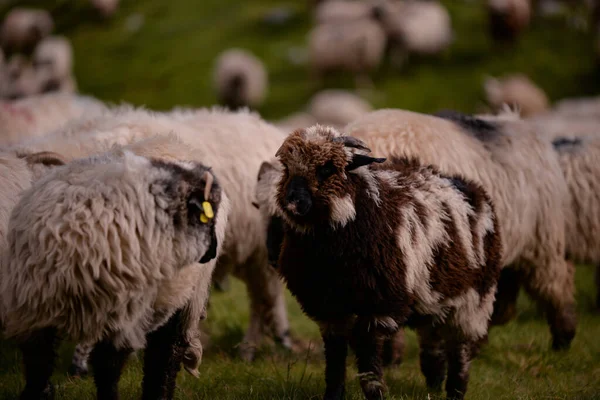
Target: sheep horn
{"x": 209, "y": 181}
{"x": 353, "y": 142}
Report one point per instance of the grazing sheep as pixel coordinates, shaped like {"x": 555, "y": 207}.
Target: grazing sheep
{"x": 23, "y": 28}
{"x": 53, "y": 62}
{"x": 19, "y": 79}
{"x": 39, "y": 115}
{"x": 523, "y": 177}
{"x": 106, "y": 8}
{"x": 508, "y": 18}
{"x": 240, "y": 79}
{"x": 154, "y": 212}
{"x": 516, "y": 90}
{"x": 418, "y": 27}
{"x": 356, "y": 46}
{"x": 336, "y": 11}
{"x": 337, "y": 107}
{"x": 234, "y": 145}
{"x": 369, "y": 249}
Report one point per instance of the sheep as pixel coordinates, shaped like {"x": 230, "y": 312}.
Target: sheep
{"x": 337, "y": 107}
{"x": 53, "y": 61}
{"x": 38, "y": 115}
{"x": 368, "y": 249}
{"x": 336, "y": 11}
{"x": 356, "y": 46}
{"x": 240, "y": 79}
{"x": 508, "y": 18}
{"x": 155, "y": 213}
{"x": 234, "y": 145}
{"x": 415, "y": 27}
{"x": 523, "y": 177}
{"x": 23, "y": 28}
{"x": 106, "y": 8}
{"x": 19, "y": 79}
{"x": 516, "y": 89}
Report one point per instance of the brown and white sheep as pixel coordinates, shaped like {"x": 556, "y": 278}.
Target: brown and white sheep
{"x": 240, "y": 79}
{"x": 155, "y": 214}
{"x": 523, "y": 177}
{"x": 369, "y": 249}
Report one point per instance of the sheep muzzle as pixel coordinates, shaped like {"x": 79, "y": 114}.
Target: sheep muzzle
{"x": 298, "y": 198}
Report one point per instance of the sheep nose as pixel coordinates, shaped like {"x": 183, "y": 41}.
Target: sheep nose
{"x": 298, "y": 196}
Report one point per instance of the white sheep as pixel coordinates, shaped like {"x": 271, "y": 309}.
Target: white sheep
{"x": 235, "y": 145}
{"x": 146, "y": 226}
{"x": 23, "y": 28}
{"x": 19, "y": 79}
{"x": 419, "y": 27}
{"x": 516, "y": 90}
{"x": 106, "y": 8}
{"x": 240, "y": 79}
{"x": 337, "y": 107}
{"x": 295, "y": 121}
{"x": 523, "y": 177}
{"x": 53, "y": 63}
{"x": 342, "y": 11}
{"x": 38, "y": 115}
{"x": 356, "y": 46}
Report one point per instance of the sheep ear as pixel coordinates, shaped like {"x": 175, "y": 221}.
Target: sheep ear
{"x": 359, "y": 160}
{"x": 264, "y": 168}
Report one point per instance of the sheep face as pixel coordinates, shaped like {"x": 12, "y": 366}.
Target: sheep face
{"x": 315, "y": 185}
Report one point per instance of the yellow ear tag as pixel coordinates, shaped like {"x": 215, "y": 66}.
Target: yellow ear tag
{"x": 203, "y": 218}
{"x": 208, "y": 210}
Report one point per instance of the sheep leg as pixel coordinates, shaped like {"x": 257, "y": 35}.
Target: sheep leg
{"x": 505, "y": 306}
{"x": 459, "y": 363}
{"x": 107, "y": 362}
{"x": 432, "y": 357}
{"x": 554, "y": 288}
{"x": 336, "y": 350}
{"x": 79, "y": 363}
{"x": 392, "y": 351}
{"x": 367, "y": 348}
{"x": 162, "y": 360}
{"x": 39, "y": 353}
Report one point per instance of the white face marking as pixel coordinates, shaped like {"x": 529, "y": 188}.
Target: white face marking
{"x": 342, "y": 211}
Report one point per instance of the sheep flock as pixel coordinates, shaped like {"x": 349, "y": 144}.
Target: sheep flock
{"x": 121, "y": 224}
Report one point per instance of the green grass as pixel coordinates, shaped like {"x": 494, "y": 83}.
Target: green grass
{"x": 169, "y": 62}
{"x": 516, "y": 364}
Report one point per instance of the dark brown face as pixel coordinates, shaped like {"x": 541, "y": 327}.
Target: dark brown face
{"x": 313, "y": 173}
{"x": 316, "y": 186}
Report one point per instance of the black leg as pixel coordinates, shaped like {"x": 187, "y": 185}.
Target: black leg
{"x": 367, "y": 344}
{"x": 432, "y": 357}
{"x": 505, "y": 306}
{"x": 107, "y": 362}
{"x": 459, "y": 363}
{"x": 336, "y": 350}
{"x": 39, "y": 352}
{"x": 162, "y": 360}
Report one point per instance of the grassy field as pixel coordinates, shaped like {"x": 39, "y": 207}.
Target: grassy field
{"x": 168, "y": 62}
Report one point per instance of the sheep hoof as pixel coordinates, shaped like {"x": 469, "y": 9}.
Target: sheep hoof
{"x": 563, "y": 341}
{"x": 247, "y": 352}
{"x": 78, "y": 371}
{"x": 46, "y": 394}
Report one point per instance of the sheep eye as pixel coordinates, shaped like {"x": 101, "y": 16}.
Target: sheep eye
{"x": 325, "y": 171}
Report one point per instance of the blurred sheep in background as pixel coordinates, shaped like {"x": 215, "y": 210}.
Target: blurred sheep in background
{"x": 240, "y": 79}
{"x": 23, "y": 28}
{"x": 508, "y": 18}
{"x": 53, "y": 61}
{"x": 106, "y": 8}
{"x": 516, "y": 90}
